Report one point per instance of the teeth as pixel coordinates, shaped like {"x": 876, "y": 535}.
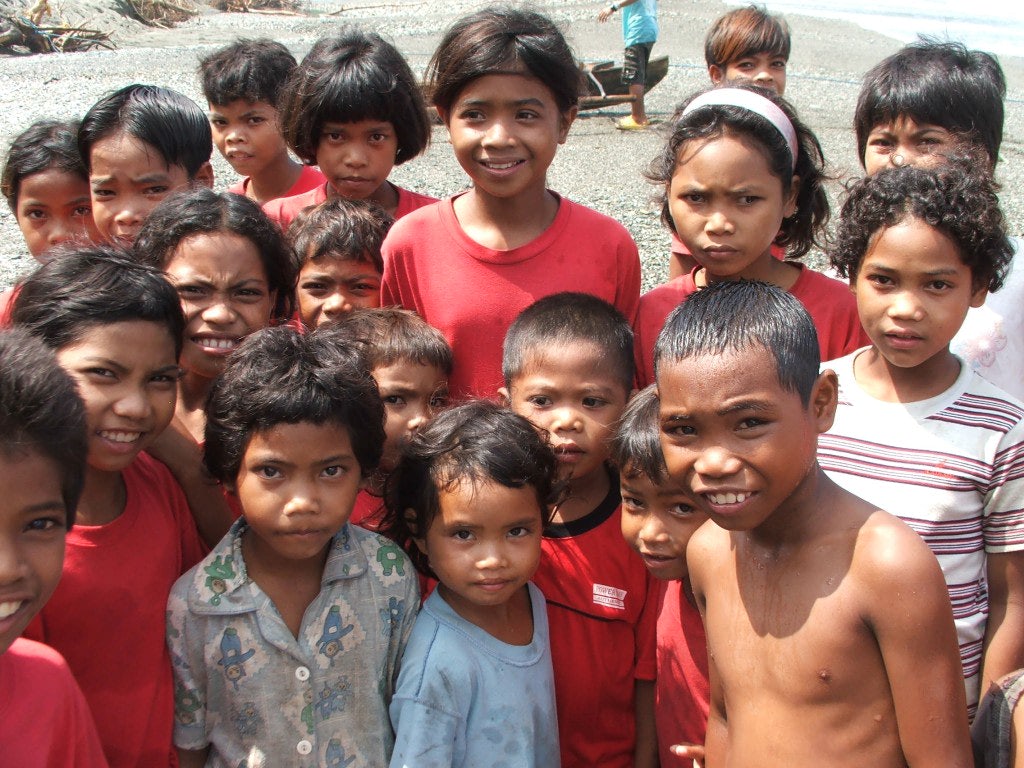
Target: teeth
{"x": 9, "y": 609}
{"x": 727, "y": 498}
{"x": 216, "y": 343}
{"x": 119, "y": 436}
{"x": 502, "y": 166}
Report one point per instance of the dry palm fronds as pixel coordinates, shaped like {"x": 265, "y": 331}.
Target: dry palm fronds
{"x": 162, "y": 13}
{"x": 257, "y": 6}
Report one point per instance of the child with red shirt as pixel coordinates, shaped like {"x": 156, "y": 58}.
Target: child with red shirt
{"x": 741, "y": 174}
{"x": 44, "y": 720}
{"x": 116, "y": 327}
{"x": 506, "y": 85}
{"x": 243, "y": 84}
{"x": 568, "y": 367}
{"x": 657, "y": 522}
{"x": 354, "y": 108}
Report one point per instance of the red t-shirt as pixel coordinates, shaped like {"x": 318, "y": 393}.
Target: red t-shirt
{"x": 602, "y": 615}
{"x": 44, "y": 720}
{"x": 285, "y": 209}
{"x": 107, "y": 616}
{"x": 472, "y": 293}
{"x": 829, "y": 302}
{"x": 682, "y": 695}
{"x": 6, "y": 305}
{"x": 309, "y": 178}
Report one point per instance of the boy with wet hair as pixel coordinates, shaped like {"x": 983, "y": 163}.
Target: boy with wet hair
{"x": 45, "y": 718}
{"x": 244, "y": 85}
{"x": 140, "y": 144}
{"x": 918, "y": 430}
{"x": 568, "y": 368}
{"x": 338, "y": 245}
{"x": 830, "y": 634}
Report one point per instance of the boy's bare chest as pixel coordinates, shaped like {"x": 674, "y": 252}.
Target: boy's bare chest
{"x": 797, "y": 633}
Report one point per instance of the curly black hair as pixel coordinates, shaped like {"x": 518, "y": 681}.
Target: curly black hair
{"x": 956, "y": 198}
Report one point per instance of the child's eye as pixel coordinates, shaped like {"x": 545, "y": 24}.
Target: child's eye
{"x": 332, "y": 136}
{"x": 249, "y": 294}
{"x": 752, "y": 423}
{"x": 880, "y": 280}
{"x": 940, "y": 285}
{"x": 526, "y": 114}
{"x": 779, "y": 64}
{"x": 540, "y": 401}
{"x": 438, "y": 401}
{"x": 632, "y": 504}
{"x": 35, "y": 214}
{"x": 102, "y": 373}
{"x": 158, "y": 189}
{"x": 594, "y": 402}
{"x": 748, "y": 199}
{"x": 314, "y": 287}
{"x": 82, "y": 210}
{"x": 462, "y": 534}
{"x": 681, "y": 510}
{"x": 693, "y": 198}
{"x": 267, "y": 472}
{"x": 679, "y": 430}
{"x": 519, "y": 532}
{"x": 257, "y": 120}
{"x": 377, "y": 138}
{"x": 363, "y": 289}
{"x": 333, "y": 471}
{"x": 102, "y": 194}
{"x": 167, "y": 378}
{"x": 393, "y": 400}
{"x": 44, "y": 524}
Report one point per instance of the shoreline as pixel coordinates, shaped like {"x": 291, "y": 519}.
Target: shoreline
{"x": 598, "y": 166}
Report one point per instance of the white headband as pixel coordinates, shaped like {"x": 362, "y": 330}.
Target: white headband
{"x": 753, "y": 102}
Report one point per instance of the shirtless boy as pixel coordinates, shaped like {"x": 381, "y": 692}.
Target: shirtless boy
{"x": 830, "y": 634}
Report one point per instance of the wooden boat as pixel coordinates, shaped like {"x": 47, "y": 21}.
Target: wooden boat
{"x": 604, "y": 82}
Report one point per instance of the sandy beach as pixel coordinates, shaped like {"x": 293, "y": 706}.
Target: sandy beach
{"x": 598, "y": 166}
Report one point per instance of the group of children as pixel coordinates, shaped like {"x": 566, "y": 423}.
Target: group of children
{"x": 277, "y": 544}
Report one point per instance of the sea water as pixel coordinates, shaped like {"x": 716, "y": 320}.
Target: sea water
{"x": 994, "y": 26}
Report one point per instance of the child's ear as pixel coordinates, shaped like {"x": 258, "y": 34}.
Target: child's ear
{"x": 824, "y": 399}
{"x": 204, "y": 176}
{"x": 716, "y": 73}
{"x": 566, "y": 122}
{"x": 794, "y": 191}
{"x": 506, "y": 398}
{"x": 443, "y": 113}
{"x": 978, "y": 297}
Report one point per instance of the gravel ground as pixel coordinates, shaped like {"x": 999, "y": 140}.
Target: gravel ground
{"x": 598, "y": 166}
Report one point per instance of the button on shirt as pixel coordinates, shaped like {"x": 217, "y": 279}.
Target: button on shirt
{"x": 244, "y": 682}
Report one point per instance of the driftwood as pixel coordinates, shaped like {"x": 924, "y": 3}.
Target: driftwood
{"x": 20, "y": 34}
{"x": 161, "y": 13}
{"x": 287, "y": 7}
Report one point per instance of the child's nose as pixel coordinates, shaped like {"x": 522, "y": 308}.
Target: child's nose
{"x": 12, "y": 564}
{"x": 219, "y": 312}
{"x": 336, "y": 305}
{"x": 497, "y": 133}
{"x": 491, "y": 556}
{"x": 565, "y": 418}
{"x": 652, "y": 529}
{"x": 716, "y": 461}
{"x": 718, "y": 223}
{"x": 905, "y": 305}
{"x": 302, "y": 501}
{"x": 133, "y": 404}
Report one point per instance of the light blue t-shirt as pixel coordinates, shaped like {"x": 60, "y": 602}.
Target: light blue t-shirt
{"x": 640, "y": 22}
{"x": 465, "y": 698}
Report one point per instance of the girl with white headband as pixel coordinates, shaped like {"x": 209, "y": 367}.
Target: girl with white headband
{"x": 742, "y": 174}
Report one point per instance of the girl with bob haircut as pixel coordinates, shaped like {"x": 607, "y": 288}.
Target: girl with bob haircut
{"x": 354, "y": 108}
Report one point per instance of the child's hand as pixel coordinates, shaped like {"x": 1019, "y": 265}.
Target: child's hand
{"x": 693, "y": 751}
{"x": 606, "y": 13}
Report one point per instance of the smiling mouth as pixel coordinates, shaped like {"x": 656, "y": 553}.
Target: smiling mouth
{"x": 723, "y": 499}
{"x": 9, "y": 608}
{"x": 503, "y": 165}
{"x": 220, "y": 344}
{"x": 119, "y": 435}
